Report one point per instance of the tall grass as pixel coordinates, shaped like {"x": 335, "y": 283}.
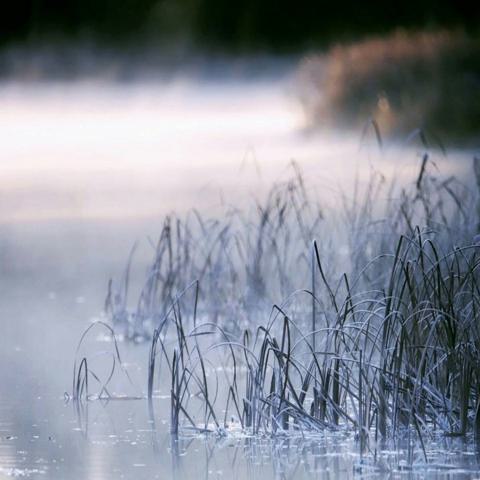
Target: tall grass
{"x": 247, "y": 260}
{"x": 383, "y": 339}
{"x": 243, "y": 260}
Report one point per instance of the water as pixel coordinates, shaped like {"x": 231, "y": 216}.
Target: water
{"x": 88, "y": 168}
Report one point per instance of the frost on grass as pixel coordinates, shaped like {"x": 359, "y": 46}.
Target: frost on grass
{"x": 377, "y": 332}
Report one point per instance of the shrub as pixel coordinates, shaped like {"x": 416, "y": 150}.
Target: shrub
{"x": 404, "y": 81}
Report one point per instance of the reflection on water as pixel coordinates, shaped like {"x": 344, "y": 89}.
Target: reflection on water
{"x": 87, "y": 169}
{"x": 118, "y": 440}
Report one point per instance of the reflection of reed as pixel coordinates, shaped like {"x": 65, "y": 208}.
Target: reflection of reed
{"x": 81, "y": 410}
{"x": 327, "y": 456}
{"x": 83, "y": 415}
{"x": 169, "y": 443}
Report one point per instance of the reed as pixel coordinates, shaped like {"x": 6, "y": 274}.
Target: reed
{"x": 388, "y": 346}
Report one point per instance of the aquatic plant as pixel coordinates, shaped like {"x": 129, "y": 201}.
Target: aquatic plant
{"x": 385, "y": 340}
{"x": 245, "y": 261}
{"x": 390, "y": 359}
{"x": 88, "y": 384}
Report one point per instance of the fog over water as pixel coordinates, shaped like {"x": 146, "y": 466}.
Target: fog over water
{"x": 114, "y": 150}
{"x": 86, "y": 169}
{"x": 100, "y": 149}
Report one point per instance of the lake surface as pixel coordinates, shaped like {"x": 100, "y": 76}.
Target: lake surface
{"x": 88, "y": 168}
